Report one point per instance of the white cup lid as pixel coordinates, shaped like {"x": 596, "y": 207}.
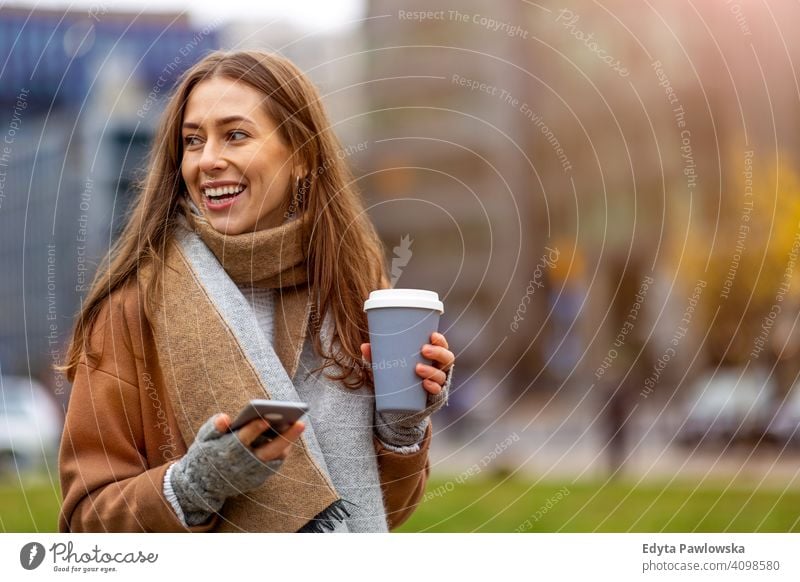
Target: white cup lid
{"x": 418, "y": 298}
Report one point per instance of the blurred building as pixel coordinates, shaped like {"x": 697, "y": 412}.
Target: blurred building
{"x": 452, "y": 181}
{"x": 80, "y": 94}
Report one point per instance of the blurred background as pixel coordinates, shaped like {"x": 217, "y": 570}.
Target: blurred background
{"x": 605, "y": 194}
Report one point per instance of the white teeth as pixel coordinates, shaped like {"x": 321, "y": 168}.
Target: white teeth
{"x": 212, "y": 192}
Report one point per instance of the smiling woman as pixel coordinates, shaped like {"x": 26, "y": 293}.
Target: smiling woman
{"x": 241, "y": 275}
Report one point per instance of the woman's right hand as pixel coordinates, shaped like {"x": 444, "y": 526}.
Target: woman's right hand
{"x": 221, "y": 464}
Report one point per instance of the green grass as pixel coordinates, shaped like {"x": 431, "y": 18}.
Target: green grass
{"x": 499, "y": 505}
{"x": 33, "y": 508}
{"x": 504, "y": 505}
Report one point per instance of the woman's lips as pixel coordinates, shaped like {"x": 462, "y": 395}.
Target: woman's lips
{"x": 223, "y": 202}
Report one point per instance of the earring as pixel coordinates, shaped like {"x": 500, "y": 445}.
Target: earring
{"x": 298, "y": 193}
{"x": 300, "y": 189}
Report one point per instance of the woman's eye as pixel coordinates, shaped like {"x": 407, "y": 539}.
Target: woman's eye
{"x": 190, "y": 140}
{"x": 241, "y": 135}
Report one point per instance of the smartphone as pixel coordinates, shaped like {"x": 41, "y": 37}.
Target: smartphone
{"x": 280, "y": 415}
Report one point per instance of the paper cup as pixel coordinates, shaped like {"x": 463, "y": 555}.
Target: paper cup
{"x": 401, "y": 321}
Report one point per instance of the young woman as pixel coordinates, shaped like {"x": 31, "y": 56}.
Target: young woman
{"x": 241, "y": 274}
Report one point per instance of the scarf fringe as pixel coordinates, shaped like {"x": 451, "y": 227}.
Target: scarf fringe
{"x": 327, "y": 519}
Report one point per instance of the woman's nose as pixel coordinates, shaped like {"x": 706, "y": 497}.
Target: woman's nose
{"x": 212, "y": 158}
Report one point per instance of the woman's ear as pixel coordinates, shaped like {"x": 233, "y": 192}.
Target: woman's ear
{"x": 300, "y": 167}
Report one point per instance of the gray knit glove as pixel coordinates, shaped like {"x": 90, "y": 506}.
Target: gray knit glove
{"x": 216, "y": 466}
{"x": 403, "y": 429}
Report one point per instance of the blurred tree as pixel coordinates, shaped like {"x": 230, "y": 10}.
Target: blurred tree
{"x": 752, "y": 269}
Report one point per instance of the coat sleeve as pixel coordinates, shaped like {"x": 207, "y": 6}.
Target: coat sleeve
{"x": 403, "y": 479}
{"x": 106, "y": 481}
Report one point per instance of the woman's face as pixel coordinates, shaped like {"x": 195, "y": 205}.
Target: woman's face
{"x": 235, "y": 164}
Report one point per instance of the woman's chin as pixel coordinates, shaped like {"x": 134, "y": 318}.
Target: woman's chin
{"x": 227, "y": 225}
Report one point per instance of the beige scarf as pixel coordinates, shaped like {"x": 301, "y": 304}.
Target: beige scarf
{"x": 270, "y": 259}
{"x": 207, "y": 370}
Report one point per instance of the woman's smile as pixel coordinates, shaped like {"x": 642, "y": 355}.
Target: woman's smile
{"x": 219, "y": 194}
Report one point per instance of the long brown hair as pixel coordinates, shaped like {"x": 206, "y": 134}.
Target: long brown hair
{"x": 345, "y": 255}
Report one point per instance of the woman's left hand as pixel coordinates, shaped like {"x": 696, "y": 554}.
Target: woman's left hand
{"x": 433, "y": 377}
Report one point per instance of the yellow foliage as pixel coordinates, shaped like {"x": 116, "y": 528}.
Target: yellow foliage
{"x": 754, "y": 262}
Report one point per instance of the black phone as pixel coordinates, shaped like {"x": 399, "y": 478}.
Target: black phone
{"x": 280, "y": 415}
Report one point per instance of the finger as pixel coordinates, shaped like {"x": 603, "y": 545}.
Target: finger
{"x": 431, "y": 373}
{"x": 209, "y": 429}
{"x": 439, "y": 340}
{"x": 439, "y": 355}
{"x": 366, "y": 352}
{"x": 432, "y": 387}
{"x": 222, "y": 422}
{"x": 280, "y": 446}
{"x": 248, "y": 433}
